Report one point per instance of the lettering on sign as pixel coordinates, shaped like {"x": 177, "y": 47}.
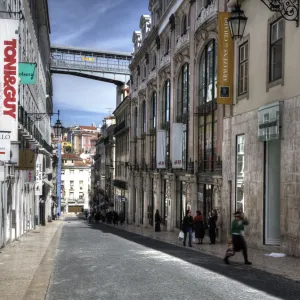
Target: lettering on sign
{"x": 177, "y": 162}
{"x": 161, "y": 163}
{"x": 10, "y": 78}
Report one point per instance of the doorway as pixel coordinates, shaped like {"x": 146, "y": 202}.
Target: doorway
{"x": 272, "y": 193}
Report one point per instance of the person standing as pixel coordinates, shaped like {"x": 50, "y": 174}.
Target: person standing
{"x": 237, "y": 236}
{"x": 187, "y": 227}
{"x": 157, "y": 220}
{"x": 212, "y": 223}
{"x": 199, "y": 227}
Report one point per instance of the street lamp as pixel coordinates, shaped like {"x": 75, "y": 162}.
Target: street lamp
{"x": 58, "y": 127}
{"x": 237, "y": 22}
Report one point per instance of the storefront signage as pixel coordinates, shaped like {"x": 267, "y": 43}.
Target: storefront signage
{"x": 160, "y": 149}
{"x": 5, "y": 145}
{"x": 39, "y": 175}
{"x": 177, "y": 145}
{"x": 92, "y": 59}
{"x": 269, "y": 122}
{"x": 26, "y": 160}
{"x": 27, "y": 73}
{"x": 9, "y": 49}
{"x": 225, "y": 60}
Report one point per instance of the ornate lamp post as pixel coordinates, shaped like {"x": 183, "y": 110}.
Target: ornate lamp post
{"x": 237, "y": 22}
{"x": 58, "y": 132}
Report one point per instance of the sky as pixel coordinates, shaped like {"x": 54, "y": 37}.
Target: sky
{"x": 96, "y": 25}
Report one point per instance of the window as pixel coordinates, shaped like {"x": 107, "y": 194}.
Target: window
{"x": 243, "y": 69}
{"x": 167, "y": 46}
{"x": 166, "y": 102}
{"x": 240, "y": 164}
{"x": 81, "y": 184}
{"x": 71, "y": 172}
{"x": 80, "y": 195}
{"x": 144, "y": 117}
{"x": 183, "y": 108}
{"x": 136, "y": 122}
{"x": 184, "y": 25}
{"x": 62, "y": 172}
{"x": 154, "y": 103}
{"x": 208, "y": 73}
{"x": 71, "y": 185}
{"x": 276, "y": 50}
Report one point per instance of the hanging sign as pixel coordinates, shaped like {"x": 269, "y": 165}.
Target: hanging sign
{"x": 5, "y": 145}
{"x": 225, "y": 60}
{"x": 26, "y": 160}
{"x": 9, "y": 49}
{"x": 177, "y": 145}
{"x": 161, "y": 149}
{"x": 39, "y": 175}
{"x": 27, "y": 73}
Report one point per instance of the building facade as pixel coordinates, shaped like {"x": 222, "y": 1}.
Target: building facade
{"x": 26, "y": 188}
{"x": 75, "y": 184}
{"x": 260, "y": 140}
{"x": 173, "y": 89}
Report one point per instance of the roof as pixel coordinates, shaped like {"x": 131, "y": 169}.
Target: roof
{"x": 70, "y": 156}
{"x": 88, "y": 127}
{"x": 79, "y": 164}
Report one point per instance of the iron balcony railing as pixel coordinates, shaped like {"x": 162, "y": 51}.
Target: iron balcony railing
{"x": 120, "y": 127}
{"x": 120, "y": 184}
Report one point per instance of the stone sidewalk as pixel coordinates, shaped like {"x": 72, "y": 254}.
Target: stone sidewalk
{"x": 26, "y": 264}
{"x": 287, "y": 267}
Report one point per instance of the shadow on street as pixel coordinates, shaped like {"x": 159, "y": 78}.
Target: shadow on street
{"x": 254, "y": 278}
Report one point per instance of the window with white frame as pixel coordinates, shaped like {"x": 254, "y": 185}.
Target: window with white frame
{"x": 71, "y": 196}
{"x": 243, "y": 68}
{"x": 71, "y": 172}
{"x": 276, "y": 50}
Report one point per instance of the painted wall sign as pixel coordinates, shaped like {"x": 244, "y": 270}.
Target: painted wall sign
{"x": 27, "y": 73}
{"x": 5, "y": 145}
{"x": 225, "y": 60}
{"x": 9, "y": 49}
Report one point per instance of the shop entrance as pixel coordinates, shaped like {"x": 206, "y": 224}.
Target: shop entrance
{"x": 272, "y": 193}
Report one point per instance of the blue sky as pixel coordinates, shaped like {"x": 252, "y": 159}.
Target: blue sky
{"x": 93, "y": 24}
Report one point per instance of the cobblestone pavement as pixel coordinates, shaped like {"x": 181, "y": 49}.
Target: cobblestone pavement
{"x": 100, "y": 262}
{"x": 26, "y": 264}
{"x": 287, "y": 267}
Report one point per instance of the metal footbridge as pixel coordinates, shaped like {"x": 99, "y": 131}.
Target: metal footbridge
{"x": 107, "y": 66}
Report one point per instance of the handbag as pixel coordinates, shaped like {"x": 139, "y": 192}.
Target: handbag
{"x": 181, "y": 235}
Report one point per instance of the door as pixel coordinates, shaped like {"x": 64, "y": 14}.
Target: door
{"x": 272, "y": 193}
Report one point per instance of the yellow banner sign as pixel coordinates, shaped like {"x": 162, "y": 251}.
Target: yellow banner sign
{"x": 88, "y": 58}
{"x": 26, "y": 160}
{"x": 225, "y": 60}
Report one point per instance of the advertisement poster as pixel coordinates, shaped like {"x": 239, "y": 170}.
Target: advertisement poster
{"x": 161, "y": 149}
{"x": 177, "y": 145}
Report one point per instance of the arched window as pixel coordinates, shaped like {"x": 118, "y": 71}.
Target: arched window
{"x": 208, "y": 146}
{"x": 183, "y": 109}
{"x": 208, "y": 73}
{"x": 154, "y": 60}
{"x": 183, "y": 91}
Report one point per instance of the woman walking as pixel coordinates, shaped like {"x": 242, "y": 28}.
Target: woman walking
{"x": 237, "y": 237}
{"x": 187, "y": 227}
{"x": 212, "y": 223}
{"x": 157, "y": 220}
{"x": 199, "y": 227}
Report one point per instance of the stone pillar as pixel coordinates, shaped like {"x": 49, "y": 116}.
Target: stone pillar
{"x": 146, "y": 185}
{"x": 131, "y": 198}
{"x": 171, "y": 197}
{"x": 137, "y": 199}
{"x": 157, "y": 194}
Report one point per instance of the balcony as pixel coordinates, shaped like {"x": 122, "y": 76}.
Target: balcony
{"x": 120, "y": 127}
{"x": 211, "y": 165}
{"x": 182, "y": 41}
{"x": 165, "y": 60}
{"x": 152, "y": 74}
{"x": 207, "y": 108}
{"x": 207, "y": 13}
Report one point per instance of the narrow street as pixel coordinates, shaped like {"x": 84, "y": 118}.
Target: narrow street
{"x": 102, "y": 262}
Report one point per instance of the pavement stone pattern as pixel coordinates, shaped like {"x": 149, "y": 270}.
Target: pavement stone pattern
{"x": 20, "y": 260}
{"x": 96, "y": 261}
{"x": 287, "y": 267}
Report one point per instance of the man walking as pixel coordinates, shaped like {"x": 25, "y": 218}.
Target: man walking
{"x": 237, "y": 237}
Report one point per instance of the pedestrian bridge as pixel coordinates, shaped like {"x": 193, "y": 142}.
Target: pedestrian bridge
{"x": 108, "y": 66}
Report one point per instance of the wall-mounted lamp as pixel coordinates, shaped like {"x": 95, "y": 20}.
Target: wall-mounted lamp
{"x": 237, "y": 22}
